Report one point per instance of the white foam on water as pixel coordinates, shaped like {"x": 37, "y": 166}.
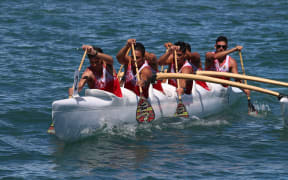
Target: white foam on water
{"x": 261, "y": 108}
{"x": 123, "y": 130}
{"x": 183, "y": 123}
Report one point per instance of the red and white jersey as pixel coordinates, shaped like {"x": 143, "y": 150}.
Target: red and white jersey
{"x": 186, "y": 64}
{"x": 107, "y": 82}
{"x": 174, "y": 81}
{"x": 106, "y": 78}
{"x": 131, "y": 80}
{"x": 189, "y": 85}
{"x": 223, "y": 67}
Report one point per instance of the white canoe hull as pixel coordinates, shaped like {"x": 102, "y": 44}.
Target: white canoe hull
{"x": 79, "y": 117}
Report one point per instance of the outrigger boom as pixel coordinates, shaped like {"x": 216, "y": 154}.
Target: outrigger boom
{"x": 244, "y": 77}
{"x": 160, "y": 76}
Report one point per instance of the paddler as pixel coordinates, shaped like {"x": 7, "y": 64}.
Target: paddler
{"x": 183, "y": 66}
{"x": 145, "y": 69}
{"x": 221, "y": 61}
{"x": 100, "y": 74}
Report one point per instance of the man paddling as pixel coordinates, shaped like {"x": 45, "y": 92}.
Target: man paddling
{"x": 183, "y": 65}
{"x": 220, "y": 59}
{"x": 100, "y": 73}
{"x": 145, "y": 70}
{"x": 192, "y": 57}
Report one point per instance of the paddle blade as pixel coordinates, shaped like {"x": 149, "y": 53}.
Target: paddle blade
{"x": 251, "y": 108}
{"x": 75, "y": 84}
{"x": 145, "y": 112}
{"x": 181, "y": 110}
{"x": 51, "y": 129}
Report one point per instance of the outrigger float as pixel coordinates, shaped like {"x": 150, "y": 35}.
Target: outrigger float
{"x": 79, "y": 117}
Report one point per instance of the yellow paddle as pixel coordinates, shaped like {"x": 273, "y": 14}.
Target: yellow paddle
{"x": 51, "y": 129}
{"x": 119, "y": 74}
{"x": 76, "y": 75}
{"x": 251, "y": 108}
{"x": 181, "y": 109}
{"x": 144, "y": 112}
{"x": 82, "y": 60}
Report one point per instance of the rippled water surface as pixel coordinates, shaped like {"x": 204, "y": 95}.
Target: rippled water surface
{"x": 40, "y": 49}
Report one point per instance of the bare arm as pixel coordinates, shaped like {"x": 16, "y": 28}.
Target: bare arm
{"x": 145, "y": 77}
{"x": 152, "y": 60}
{"x": 121, "y": 55}
{"x": 85, "y": 76}
{"x": 167, "y": 58}
{"x": 194, "y": 58}
{"x": 222, "y": 54}
{"x": 209, "y": 58}
{"x": 234, "y": 68}
{"x": 108, "y": 59}
{"x": 183, "y": 82}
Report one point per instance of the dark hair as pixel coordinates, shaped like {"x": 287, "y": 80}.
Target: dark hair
{"x": 182, "y": 45}
{"x": 222, "y": 38}
{"x": 188, "y": 47}
{"x": 140, "y": 47}
{"x": 96, "y": 49}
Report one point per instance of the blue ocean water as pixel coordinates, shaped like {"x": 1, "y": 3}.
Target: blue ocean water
{"x": 40, "y": 44}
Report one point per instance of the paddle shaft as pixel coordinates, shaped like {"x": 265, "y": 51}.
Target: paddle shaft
{"x": 80, "y": 66}
{"x": 176, "y": 68}
{"x": 242, "y": 65}
{"x": 215, "y": 80}
{"x": 239, "y": 76}
{"x": 243, "y": 71}
{"x": 82, "y": 61}
{"x": 119, "y": 72}
{"x": 136, "y": 66}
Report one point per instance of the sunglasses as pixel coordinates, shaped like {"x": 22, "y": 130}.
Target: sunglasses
{"x": 219, "y": 46}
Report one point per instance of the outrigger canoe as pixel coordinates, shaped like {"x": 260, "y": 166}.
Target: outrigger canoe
{"x": 80, "y": 117}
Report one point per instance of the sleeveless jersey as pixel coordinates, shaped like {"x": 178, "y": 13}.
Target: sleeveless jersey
{"x": 131, "y": 80}
{"x": 223, "y": 67}
{"x": 173, "y": 82}
{"x": 107, "y": 82}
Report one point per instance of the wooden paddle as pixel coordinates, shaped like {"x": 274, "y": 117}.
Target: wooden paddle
{"x": 180, "y": 109}
{"x": 119, "y": 74}
{"x": 144, "y": 112}
{"x": 218, "y": 81}
{"x": 251, "y": 108}
{"x": 51, "y": 129}
{"x": 76, "y": 76}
